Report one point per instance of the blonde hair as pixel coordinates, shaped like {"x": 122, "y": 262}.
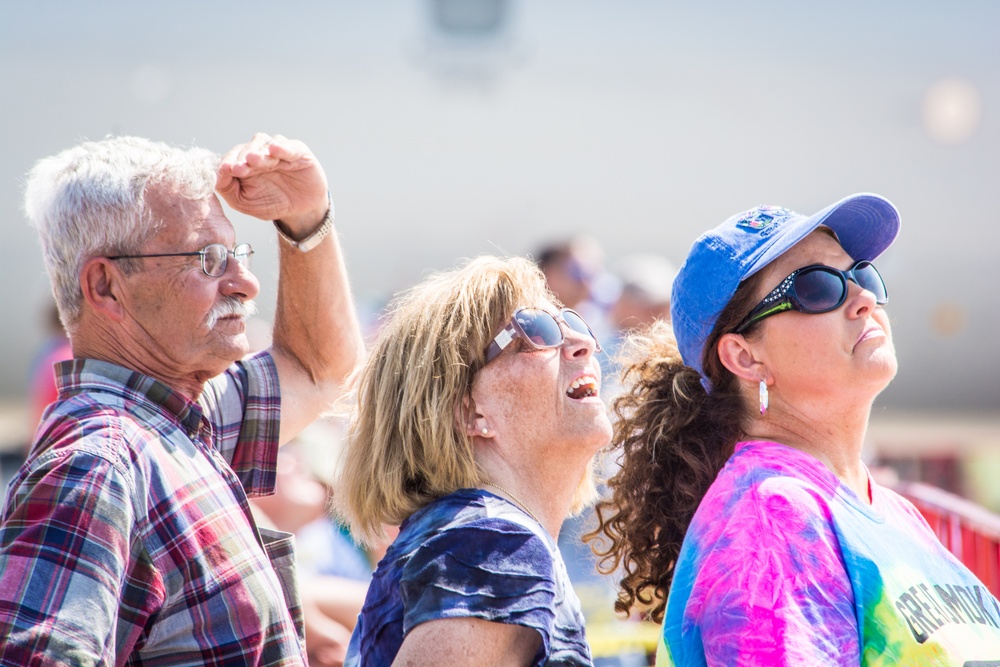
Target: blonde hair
{"x": 404, "y": 448}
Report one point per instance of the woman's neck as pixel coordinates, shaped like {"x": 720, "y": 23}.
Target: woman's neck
{"x": 836, "y": 439}
{"x": 544, "y": 492}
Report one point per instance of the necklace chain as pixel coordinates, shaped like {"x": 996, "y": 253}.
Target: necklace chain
{"x": 517, "y": 501}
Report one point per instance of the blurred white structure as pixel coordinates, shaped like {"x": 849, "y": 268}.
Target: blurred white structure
{"x": 451, "y": 129}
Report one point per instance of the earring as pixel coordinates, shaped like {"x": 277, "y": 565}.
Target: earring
{"x": 763, "y": 396}
{"x": 485, "y": 431}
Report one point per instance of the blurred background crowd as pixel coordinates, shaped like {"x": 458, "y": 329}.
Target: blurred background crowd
{"x": 598, "y": 138}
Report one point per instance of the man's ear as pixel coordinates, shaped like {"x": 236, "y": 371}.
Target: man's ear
{"x": 102, "y": 283}
{"x": 737, "y": 355}
{"x": 467, "y": 419}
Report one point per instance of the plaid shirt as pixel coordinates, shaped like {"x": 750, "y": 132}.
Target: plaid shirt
{"x": 127, "y": 538}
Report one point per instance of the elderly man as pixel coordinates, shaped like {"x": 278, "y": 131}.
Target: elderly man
{"x": 127, "y": 537}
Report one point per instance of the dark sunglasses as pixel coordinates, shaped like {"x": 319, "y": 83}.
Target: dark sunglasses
{"x": 539, "y": 329}
{"x": 816, "y": 289}
{"x": 214, "y": 257}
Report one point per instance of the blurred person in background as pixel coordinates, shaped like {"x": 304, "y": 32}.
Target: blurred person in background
{"x": 127, "y": 536}
{"x": 743, "y": 514}
{"x": 575, "y": 273}
{"x": 478, "y": 415}
{"x": 333, "y": 570}
{"x": 41, "y": 391}
{"x": 41, "y": 377}
{"x": 570, "y": 267}
{"x": 645, "y": 280}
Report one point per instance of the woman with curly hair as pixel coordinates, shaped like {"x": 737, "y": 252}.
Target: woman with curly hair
{"x": 742, "y": 515}
{"x": 478, "y": 415}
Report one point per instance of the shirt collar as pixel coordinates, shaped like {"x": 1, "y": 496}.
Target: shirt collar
{"x": 90, "y": 375}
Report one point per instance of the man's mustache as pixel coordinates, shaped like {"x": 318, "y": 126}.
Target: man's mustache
{"x": 229, "y": 306}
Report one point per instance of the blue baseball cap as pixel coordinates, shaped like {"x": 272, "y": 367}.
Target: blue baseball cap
{"x": 865, "y": 225}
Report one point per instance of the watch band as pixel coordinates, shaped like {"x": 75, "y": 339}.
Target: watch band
{"x": 314, "y": 239}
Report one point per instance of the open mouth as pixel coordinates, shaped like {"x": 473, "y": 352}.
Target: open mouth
{"x": 583, "y": 387}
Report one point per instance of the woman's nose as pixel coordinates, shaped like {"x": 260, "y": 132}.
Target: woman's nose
{"x": 577, "y": 344}
{"x": 860, "y": 301}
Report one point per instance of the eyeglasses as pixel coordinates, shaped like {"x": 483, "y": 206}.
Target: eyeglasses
{"x": 816, "y": 289}
{"x": 539, "y": 329}
{"x": 214, "y": 257}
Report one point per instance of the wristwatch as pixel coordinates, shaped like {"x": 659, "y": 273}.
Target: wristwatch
{"x": 314, "y": 239}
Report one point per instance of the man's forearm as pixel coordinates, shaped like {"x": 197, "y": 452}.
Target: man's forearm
{"x": 316, "y": 328}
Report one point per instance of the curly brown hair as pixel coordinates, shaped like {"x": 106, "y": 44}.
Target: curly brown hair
{"x": 674, "y": 437}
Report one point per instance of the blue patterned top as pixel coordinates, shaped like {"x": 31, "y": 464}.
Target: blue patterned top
{"x": 470, "y": 554}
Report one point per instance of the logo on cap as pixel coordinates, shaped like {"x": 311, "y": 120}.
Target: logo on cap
{"x": 763, "y": 217}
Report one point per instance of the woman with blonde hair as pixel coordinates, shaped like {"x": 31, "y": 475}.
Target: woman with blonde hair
{"x": 743, "y": 515}
{"x": 478, "y": 415}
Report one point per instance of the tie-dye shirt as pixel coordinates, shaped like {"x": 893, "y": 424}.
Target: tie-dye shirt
{"x": 470, "y": 554}
{"x": 784, "y": 565}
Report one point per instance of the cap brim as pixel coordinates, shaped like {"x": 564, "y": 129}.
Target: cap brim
{"x": 865, "y": 224}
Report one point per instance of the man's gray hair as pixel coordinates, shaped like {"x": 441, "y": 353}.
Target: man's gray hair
{"x": 90, "y": 201}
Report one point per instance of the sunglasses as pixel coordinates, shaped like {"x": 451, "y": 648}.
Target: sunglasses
{"x": 214, "y": 257}
{"x": 539, "y": 329}
{"x": 816, "y": 289}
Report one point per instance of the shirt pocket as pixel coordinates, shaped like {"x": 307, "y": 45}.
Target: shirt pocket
{"x": 280, "y": 549}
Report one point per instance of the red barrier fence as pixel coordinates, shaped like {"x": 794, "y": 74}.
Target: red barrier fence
{"x": 968, "y": 530}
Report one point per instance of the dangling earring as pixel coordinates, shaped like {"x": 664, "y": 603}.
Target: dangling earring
{"x": 763, "y": 396}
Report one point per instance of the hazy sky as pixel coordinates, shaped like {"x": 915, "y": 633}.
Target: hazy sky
{"x": 642, "y": 123}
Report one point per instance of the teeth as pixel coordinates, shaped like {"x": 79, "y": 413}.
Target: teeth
{"x": 588, "y": 384}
